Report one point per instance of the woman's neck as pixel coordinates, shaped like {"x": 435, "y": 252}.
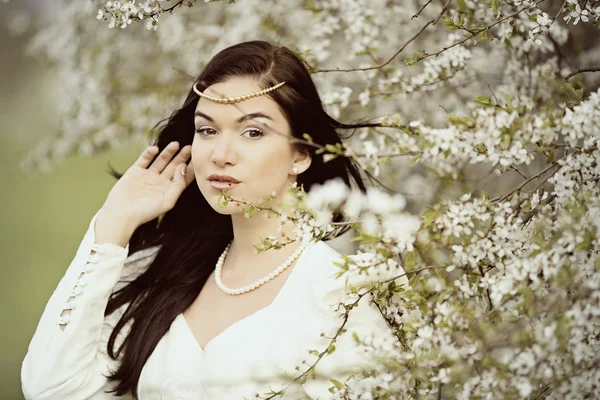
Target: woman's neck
{"x": 247, "y": 233}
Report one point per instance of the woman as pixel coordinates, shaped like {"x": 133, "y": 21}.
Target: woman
{"x": 181, "y": 307}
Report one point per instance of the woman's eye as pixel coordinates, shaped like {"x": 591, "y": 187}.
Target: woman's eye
{"x": 202, "y": 130}
{"x": 252, "y": 133}
{"x": 258, "y": 131}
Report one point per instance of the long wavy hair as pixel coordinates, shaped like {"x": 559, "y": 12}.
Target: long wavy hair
{"x": 192, "y": 234}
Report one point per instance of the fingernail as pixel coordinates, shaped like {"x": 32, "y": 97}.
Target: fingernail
{"x": 183, "y": 170}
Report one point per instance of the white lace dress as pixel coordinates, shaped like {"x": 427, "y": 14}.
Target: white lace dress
{"x": 252, "y": 356}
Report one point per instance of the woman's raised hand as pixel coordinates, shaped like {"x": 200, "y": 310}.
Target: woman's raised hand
{"x": 149, "y": 188}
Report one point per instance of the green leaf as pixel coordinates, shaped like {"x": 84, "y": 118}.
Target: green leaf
{"x": 453, "y": 119}
{"x": 337, "y": 384}
{"x": 538, "y": 238}
{"x": 331, "y": 348}
{"x": 391, "y": 287}
{"x": 411, "y": 60}
{"x": 353, "y": 289}
{"x": 506, "y": 139}
{"x": 494, "y": 6}
{"x": 415, "y": 159}
{"x": 449, "y": 23}
{"x": 483, "y": 101}
{"x": 551, "y": 155}
{"x": 509, "y": 106}
{"x": 331, "y": 148}
{"x": 585, "y": 244}
{"x": 482, "y": 36}
{"x": 429, "y": 216}
{"x": 409, "y": 262}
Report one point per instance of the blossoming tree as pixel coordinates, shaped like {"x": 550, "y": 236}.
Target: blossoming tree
{"x": 485, "y": 125}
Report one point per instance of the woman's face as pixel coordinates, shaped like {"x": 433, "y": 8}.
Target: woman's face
{"x": 248, "y": 141}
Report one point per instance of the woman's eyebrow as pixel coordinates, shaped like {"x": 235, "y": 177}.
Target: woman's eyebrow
{"x": 239, "y": 120}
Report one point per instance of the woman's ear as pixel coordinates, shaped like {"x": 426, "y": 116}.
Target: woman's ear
{"x": 302, "y": 160}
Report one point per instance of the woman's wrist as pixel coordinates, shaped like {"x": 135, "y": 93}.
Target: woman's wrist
{"x": 113, "y": 228}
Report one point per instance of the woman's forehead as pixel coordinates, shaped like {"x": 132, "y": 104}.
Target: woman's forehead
{"x": 263, "y": 111}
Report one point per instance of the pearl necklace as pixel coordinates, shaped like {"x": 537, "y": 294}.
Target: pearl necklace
{"x": 257, "y": 283}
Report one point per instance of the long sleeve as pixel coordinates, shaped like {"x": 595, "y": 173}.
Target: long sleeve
{"x": 67, "y": 358}
{"x": 365, "y": 320}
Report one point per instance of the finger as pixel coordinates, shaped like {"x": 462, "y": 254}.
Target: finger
{"x": 182, "y": 157}
{"x": 189, "y": 176}
{"x": 186, "y": 178}
{"x": 146, "y": 157}
{"x": 180, "y": 182}
{"x": 164, "y": 157}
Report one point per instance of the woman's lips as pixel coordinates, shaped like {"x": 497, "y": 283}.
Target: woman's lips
{"x": 222, "y": 185}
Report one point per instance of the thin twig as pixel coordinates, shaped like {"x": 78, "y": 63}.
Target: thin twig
{"x": 421, "y": 10}
{"x": 580, "y": 71}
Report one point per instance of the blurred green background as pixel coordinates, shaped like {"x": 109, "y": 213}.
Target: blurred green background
{"x": 43, "y": 217}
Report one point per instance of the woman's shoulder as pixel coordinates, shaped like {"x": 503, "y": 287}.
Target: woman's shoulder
{"x": 333, "y": 274}
{"x": 323, "y": 260}
{"x": 321, "y": 273}
{"x": 326, "y": 261}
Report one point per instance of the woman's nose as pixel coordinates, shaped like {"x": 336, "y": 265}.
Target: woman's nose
{"x": 223, "y": 152}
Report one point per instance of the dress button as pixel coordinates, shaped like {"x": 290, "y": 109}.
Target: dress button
{"x": 82, "y": 281}
{"x": 98, "y": 248}
{"x": 77, "y": 290}
{"x": 94, "y": 258}
{"x": 87, "y": 267}
{"x": 64, "y": 319}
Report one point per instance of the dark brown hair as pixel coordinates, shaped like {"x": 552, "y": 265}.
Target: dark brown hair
{"x": 192, "y": 235}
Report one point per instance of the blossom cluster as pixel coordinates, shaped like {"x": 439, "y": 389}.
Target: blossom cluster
{"x": 122, "y": 14}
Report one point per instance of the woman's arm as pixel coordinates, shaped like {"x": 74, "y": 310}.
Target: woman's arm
{"x": 67, "y": 358}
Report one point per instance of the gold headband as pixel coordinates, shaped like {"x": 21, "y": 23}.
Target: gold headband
{"x": 231, "y": 100}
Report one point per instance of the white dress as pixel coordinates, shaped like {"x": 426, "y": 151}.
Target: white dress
{"x": 251, "y": 356}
